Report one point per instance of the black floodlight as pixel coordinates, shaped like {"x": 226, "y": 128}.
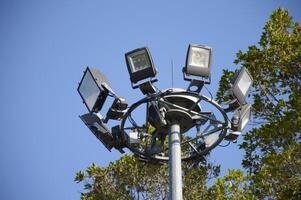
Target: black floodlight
{"x": 117, "y": 110}
{"x": 198, "y": 61}
{"x": 242, "y": 83}
{"x": 99, "y": 129}
{"x": 93, "y": 89}
{"x": 140, "y": 64}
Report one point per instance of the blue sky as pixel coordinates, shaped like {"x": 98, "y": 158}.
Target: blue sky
{"x": 46, "y": 45}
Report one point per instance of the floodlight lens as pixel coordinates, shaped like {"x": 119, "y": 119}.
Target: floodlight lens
{"x": 89, "y": 90}
{"x": 198, "y": 60}
{"x": 139, "y": 61}
{"x": 245, "y": 119}
{"x": 199, "y": 57}
{"x": 244, "y": 116}
{"x": 244, "y": 122}
{"x": 140, "y": 64}
{"x": 244, "y": 83}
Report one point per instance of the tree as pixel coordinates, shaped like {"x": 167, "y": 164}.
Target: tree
{"x": 234, "y": 185}
{"x": 272, "y": 147}
{"x": 129, "y": 178}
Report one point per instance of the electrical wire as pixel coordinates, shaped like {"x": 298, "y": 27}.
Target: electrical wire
{"x": 209, "y": 92}
{"x": 132, "y": 121}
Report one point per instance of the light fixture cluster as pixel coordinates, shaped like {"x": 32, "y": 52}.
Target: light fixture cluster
{"x": 94, "y": 89}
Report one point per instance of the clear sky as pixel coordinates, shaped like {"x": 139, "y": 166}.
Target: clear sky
{"x": 46, "y": 45}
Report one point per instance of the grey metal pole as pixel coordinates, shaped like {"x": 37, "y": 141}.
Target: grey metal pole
{"x": 175, "y": 168}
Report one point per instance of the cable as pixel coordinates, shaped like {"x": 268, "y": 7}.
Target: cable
{"x": 209, "y": 92}
{"x": 132, "y": 120}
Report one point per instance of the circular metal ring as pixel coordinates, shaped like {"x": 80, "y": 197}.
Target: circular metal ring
{"x": 141, "y": 152}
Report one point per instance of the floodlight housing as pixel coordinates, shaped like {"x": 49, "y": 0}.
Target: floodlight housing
{"x": 242, "y": 83}
{"x": 99, "y": 129}
{"x": 93, "y": 89}
{"x": 198, "y": 61}
{"x": 140, "y": 64}
{"x": 117, "y": 110}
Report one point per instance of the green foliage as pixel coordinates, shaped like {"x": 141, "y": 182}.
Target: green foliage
{"x": 233, "y": 186}
{"x": 224, "y": 83}
{"x": 129, "y": 178}
{"x": 272, "y": 148}
{"x": 280, "y": 174}
{"x": 195, "y": 178}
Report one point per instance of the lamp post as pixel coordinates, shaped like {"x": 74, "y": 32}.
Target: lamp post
{"x": 166, "y": 134}
{"x": 175, "y": 166}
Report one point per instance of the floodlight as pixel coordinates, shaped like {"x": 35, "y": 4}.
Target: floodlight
{"x": 93, "y": 89}
{"x": 198, "y": 61}
{"x": 242, "y": 82}
{"x": 244, "y": 116}
{"x": 239, "y": 121}
{"x": 140, "y": 64}
{"x": 99, "y": 129}
{"x": 117, "y": 109}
